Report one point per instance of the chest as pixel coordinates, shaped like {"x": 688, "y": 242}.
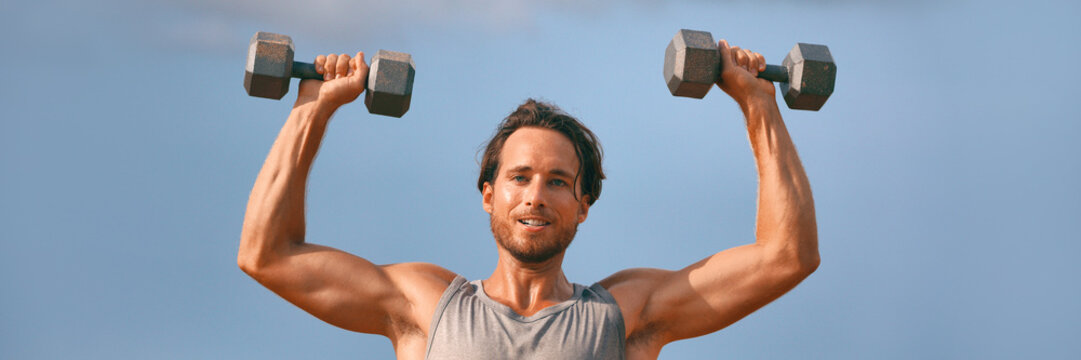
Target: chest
{"x": 552, "y": 338}
{"x": 577, "y": 332}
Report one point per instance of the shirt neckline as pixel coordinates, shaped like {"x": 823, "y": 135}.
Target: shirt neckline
{"x": 548, "y": 311}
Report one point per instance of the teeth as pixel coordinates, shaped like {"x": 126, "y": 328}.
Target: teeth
{"x": 533, "y": 222}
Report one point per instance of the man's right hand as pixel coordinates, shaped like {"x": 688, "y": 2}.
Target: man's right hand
{"x": 344, "y": 79}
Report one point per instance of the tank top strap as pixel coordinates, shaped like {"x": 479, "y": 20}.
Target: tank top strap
{"x": 455, "y": 286}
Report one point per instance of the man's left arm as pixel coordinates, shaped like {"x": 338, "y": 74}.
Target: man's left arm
{"x": 662, "y": 306}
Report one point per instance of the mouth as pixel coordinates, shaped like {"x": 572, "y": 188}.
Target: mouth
{"x": 534, "y": 223}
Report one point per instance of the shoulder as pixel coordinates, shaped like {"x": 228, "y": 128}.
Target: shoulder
{"x": 629, "y": 285}
{"x": 420, "y": 269}
{"x": 421, "y": 285}
{"x": 631, "y": 289}
{"x": 632, "y": 286}
{"x": 419, "y": 281}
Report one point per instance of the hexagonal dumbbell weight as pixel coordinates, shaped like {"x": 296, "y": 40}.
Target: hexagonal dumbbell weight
{"x": 692, "y": 64}
{"x": 270, "y": 67}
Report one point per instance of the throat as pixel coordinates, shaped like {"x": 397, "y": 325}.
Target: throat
{"x": 526, "y": 294}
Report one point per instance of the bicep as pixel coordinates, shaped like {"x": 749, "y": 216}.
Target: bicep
{"x": 715, "y": 292}
{"x": 343, "y": 289}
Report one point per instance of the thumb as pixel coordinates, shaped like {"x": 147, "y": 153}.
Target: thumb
{"x": 358, "y": 61}
{"x": 360, "y": 70}
{"x": 726, "y": 55}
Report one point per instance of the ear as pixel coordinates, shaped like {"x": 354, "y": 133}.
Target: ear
{"x": 486, "y": 197}
{"x": 583, "y": 208}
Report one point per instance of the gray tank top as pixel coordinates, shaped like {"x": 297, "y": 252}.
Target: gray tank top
{"x": 469, "y": 325}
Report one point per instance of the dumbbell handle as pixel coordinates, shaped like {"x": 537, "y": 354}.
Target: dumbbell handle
{"x": 305, "y": 70}
{"x": 774, "y": 73}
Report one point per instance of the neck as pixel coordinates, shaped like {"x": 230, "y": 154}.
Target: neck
{"x": 528, "y": 287}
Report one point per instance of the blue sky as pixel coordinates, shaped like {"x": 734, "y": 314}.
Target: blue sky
{"x": 944, "y": 168}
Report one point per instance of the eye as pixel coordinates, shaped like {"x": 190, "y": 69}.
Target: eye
{"x": 518, "y": 178}
{"x": 558, "y": 182}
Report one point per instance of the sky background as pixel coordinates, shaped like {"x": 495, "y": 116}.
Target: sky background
{"x": 944, "y": 167}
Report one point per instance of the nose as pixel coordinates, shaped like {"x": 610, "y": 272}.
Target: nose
{"x": 535, "y": 194}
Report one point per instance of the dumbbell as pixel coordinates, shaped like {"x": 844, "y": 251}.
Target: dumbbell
{"x": 692, "y": 64}
{"x": 270, "y": 67}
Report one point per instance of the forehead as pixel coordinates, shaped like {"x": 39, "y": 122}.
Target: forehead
{"x": 539, "y": 148}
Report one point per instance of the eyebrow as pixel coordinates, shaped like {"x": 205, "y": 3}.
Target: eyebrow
{"x": 527, "y": 168}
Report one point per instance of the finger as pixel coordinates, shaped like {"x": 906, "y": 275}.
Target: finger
{"x": 320, "y": 61}
{"x": 359, "y": 64}
{"x": 332, "y": 67}
{"x": 740, "y": 56}
{"x": 752, "y": 61}
{"x": 352, "y": 66}
{"x": 726, "y": 54}
{"x": 343, "y": 66}
{"x": 761, "y": 62}
{"x": 752, "y": 64}
{"x": 360, "y": 57}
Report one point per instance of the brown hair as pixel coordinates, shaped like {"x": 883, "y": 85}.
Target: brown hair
{"x": 543, "y": 115}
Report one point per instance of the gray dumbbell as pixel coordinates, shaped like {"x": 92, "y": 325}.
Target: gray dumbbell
{"x": 270, "y": 67}
{"x": 692, "y": 64}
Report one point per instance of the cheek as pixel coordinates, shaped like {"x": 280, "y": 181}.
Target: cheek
{"x": 568, "y": 204}
{"x": 505, "y": 195}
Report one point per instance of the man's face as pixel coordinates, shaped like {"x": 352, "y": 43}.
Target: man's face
{"x": 531, "y": 199}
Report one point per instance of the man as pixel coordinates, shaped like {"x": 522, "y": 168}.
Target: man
{"x": 540, "y": 174}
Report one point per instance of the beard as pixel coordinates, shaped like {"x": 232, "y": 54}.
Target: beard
{"x": 532, "y": 248}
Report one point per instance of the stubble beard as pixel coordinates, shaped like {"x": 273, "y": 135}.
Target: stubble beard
{"x": 532, "y": 248}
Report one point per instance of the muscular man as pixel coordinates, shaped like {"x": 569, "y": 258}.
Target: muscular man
{"x": 539, "y": 176}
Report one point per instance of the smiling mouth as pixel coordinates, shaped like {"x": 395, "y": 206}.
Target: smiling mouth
{"x": 533, "y": 222}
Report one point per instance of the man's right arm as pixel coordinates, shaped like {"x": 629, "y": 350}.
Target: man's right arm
{"x": 339, "y": 288}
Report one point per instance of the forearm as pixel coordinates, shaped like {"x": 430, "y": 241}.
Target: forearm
{"x": 786, "y": 222}
{"x": 274, "y": 220}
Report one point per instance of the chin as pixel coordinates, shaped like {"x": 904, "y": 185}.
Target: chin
{"x": 536, "y": 254}
{"x": 532, "y": 248}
